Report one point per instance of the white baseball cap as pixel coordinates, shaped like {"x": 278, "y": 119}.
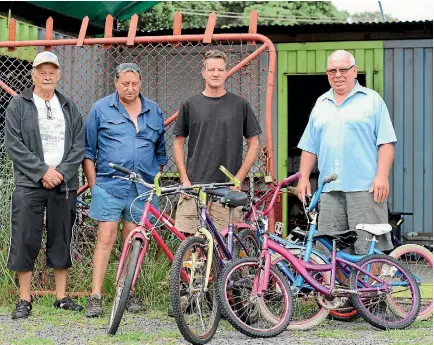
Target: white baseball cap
{"x": 46, "y": 57}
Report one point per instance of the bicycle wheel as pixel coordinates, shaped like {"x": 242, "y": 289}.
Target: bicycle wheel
{"x": 419, "y": 261}
{"x": 394, "y": 305}
{"x": 345, "y": 312}
{"x": 250, "y": 241}
{"x": 238, "y": 300}
{"x": 306, "y": 312}
{"x": 123, "y": 286}
{"x": 195, "y": 307}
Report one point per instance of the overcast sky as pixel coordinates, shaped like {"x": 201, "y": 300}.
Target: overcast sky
{"x": 401, "y": 9}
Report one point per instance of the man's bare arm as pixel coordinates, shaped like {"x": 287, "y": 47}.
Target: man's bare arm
{"x": 250, "y": 159}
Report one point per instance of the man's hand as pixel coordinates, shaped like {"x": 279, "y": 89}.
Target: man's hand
{"x": 186, "y": 183}
{"x": 304, "y": 189}
{"x": 239, "y": 178}
{"x": 46, "y": 185}
{"x": 52, "y": 178}
{"x": 160, "y": 167}
{"x": 380, "y": 188}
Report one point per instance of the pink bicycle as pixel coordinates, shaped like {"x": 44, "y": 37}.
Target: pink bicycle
{"x": 136, "y": 244}
{"x": 256, "y": 298}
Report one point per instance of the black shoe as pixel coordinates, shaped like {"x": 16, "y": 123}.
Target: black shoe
{"x": 68, "y": 304}
{"x": 134, "y": 304}
{"x": 22, "y": 310}
{"x": 94, "y": 306}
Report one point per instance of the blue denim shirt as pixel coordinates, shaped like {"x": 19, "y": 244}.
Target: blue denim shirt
{"x": 111, "y": 137}
{"x": 346, "y": 137}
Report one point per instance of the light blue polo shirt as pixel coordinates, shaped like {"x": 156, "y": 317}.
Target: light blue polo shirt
{"x": 346, "y": 137}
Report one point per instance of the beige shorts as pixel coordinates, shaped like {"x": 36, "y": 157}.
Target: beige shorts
{"x": 187, "y": 221}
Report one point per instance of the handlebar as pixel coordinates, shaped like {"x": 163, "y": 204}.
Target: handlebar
{"x": 231, "y": 177}
{"x": 281, "y": 185}
{"x": 315, "y": 197}
{"x": 167, "y": 190}
{"x": 120, "y": 168}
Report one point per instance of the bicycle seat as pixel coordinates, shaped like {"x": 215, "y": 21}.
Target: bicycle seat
{"x": 343, "y": 240}
{"x": 375, "y": 229}
{"x": 234, "y": 199}
{"x": 299, "y": 234}
{"x": 219, "y": 192}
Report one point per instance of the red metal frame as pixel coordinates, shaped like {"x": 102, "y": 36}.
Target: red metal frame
{"x": 207, "y": 37}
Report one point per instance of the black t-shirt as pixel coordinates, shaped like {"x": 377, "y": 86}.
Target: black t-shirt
{"x": 215, "y": 128}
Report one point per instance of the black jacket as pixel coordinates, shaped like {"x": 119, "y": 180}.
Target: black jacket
{"x": 24, "y": 144}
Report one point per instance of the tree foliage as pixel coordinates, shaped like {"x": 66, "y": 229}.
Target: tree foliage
{"x": 195, "y": 13}
{"x": 371, "y": 17}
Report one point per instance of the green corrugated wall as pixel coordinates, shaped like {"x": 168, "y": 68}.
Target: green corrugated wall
{"x": 25, "y": 32}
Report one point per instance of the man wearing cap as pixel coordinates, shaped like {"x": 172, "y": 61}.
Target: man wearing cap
{"x": 127, "y": 129}
{"x": 45, "y": 141}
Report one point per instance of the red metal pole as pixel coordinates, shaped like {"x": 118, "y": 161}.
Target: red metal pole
{"x": 7, "y": 89}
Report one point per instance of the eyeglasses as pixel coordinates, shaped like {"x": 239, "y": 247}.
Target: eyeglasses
{"x": 49, "y": 112}
{"x": 343, "y": 71}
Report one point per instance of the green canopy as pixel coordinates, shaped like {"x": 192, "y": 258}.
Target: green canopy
{"x": 97, "y": 11}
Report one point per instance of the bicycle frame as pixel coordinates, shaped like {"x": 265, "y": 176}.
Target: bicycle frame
{"x": 303, "y": 268}
{"x": 142, "y": 233}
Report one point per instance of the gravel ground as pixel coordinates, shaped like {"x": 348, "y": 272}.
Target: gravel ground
{"x": 48, "y": 326}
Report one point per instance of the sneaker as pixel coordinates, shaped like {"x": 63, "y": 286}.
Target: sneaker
{"x": 22, "y": 310}
{"x": 94, "y": 306}
{"x": 68, "y": 304}
{"x": 134, "y": 304}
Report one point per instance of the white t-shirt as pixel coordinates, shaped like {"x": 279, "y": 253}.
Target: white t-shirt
{"x": 52, "y": 130}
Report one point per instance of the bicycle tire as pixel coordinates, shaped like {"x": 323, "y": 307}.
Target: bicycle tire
{"x": 123, "y": 287}
{"x": 232, "y": 313}
{"x": 367, "y": 313}
{"x": 322, "y": 314}
{"x": 246, "y": 235}
{"x": 347, "y": 316}
{"x": 179, "y": 312}
{"x": 406, "y": 251}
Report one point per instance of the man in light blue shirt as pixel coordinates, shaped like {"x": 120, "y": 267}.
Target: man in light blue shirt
{"x": 351, "y": 134}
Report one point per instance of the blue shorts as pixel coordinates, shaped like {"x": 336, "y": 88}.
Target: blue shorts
{"x": 106, "y": 207}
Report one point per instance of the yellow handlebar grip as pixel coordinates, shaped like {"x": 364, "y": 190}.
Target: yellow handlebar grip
{"x": 231, "y": 177}
{"x": 157, "y": 184}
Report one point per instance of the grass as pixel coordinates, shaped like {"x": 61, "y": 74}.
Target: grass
{"x": 163, "y": 337}
{"x": 407, "y": 334}
{"x": 33, "y": 341}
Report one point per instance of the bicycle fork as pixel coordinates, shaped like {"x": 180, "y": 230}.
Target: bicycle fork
{"x": 210, "y": 244}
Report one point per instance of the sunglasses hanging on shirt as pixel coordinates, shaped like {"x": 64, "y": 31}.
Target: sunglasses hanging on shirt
{"x": 49, "y": 112}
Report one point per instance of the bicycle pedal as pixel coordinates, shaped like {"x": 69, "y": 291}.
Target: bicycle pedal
{"x": 278, "y": 227}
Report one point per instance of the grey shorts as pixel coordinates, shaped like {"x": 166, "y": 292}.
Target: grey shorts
{"x": 341, "y": 211}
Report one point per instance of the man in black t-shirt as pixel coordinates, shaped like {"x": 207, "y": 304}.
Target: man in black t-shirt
{"x": 215, "y": 122}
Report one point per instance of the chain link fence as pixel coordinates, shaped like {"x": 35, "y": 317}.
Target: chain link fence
{"x": 170, "y": 73}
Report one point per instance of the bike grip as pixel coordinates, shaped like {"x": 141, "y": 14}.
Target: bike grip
{"x": 120, "y": 168}
{"x": 231, "y": 177}
{"x": 291, "y": 179}
{"x": 157, "y": 184}
{"x": 331, "y": 178}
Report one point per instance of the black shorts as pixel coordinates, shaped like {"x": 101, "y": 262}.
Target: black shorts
{"x": 27, "y": 220}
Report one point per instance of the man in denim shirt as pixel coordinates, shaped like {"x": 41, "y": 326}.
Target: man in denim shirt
{"x": 351, "y": 133}
{"x": 127, "y": 129}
